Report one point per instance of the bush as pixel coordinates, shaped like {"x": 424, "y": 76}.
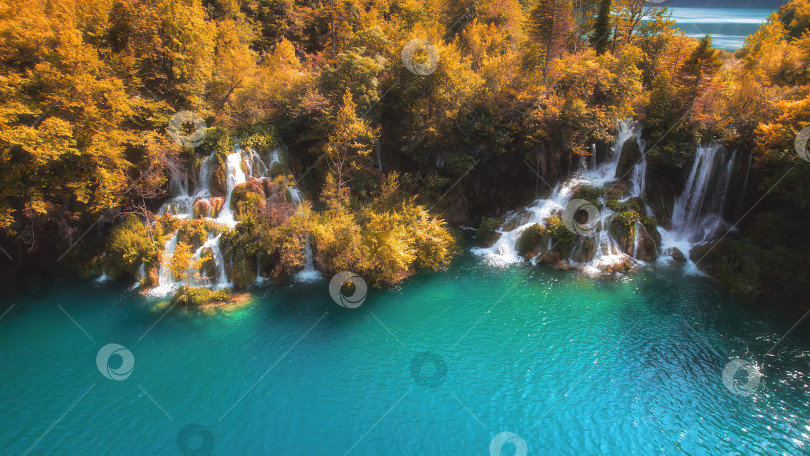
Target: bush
{"x": 563, "y": 239}
{"x": 198, "y": 296}
{"x": 129, "y": 244}
{"x": 487, "y": 234}
{"x": 530, "y": 239}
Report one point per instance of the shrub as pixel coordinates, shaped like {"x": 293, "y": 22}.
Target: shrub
{"x": 198, "y": 296}
{"x": 129, "y": 244}
{"x": 530, "y": 239}
{"x": 487, "y": 230}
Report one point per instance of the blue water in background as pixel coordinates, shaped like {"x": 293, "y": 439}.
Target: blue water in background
{"x": 572, "y": 365}
{"x": 729, "y": 26}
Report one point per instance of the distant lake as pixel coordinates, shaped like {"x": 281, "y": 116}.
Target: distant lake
{"x": 729, "y": 26}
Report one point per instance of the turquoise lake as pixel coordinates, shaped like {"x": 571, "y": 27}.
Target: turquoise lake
{"x": 729, "y": 26}
{"x": 571, "y": 365}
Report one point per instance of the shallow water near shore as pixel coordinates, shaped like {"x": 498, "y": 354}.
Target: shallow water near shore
{"x": 572, "y": 365}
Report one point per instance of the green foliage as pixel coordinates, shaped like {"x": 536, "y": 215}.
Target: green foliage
{"x": 385, "y": 240}
{"x": 563, "y": 240}
{"x": 129, "y": 244}
{"x": 486, "y": 233}
{"x": 530, "y": 239}
{"x": 198, "y": 296}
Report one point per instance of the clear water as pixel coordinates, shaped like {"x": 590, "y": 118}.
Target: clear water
{"x": 573, "y": 366}
{"x": 729, "y": 26}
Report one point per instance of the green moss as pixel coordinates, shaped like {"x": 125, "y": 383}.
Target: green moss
{"x": 589, "y": 193}
{"x": 243, "y": 272}
{"x": 530, "y": 239}
{"x": 486, "y": 230}
{"x": 626, "y": 218}
{"x": 198, "y": 296}
{"x": 563, "y": 239}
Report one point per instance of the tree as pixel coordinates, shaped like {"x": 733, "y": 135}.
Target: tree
{"x": 700, "y": 67}
{"x": 350, "y": 142}
{"x": 600, "y": 36}
{"x": 550, "y": 23}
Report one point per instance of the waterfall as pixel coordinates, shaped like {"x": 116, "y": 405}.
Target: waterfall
{"x": 234, "y": 176}
{"x": 309, "y": 273}
{"x": 698, "y": 213}
{"x": 504, "y": 251}
{"x": 219, "y": 261}
{"x": 166, "y": 282}
{"x": 639, "y": 178}
{"x": 141, "y": 276}
{"x": 240, "y": 165}
{"x": 182, "y": 205}
{"x": 295, "y": 195}
{"x": 697, "y": 216}
{"x": 259, "y": 278}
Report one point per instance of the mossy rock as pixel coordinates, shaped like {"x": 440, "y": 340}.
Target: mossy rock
{"x": 631, "y": 155}
{"x": 562, "y": 239}
{"x": 219, "y": 178}
{"x": 732, "y": 262}
{"x": 202, "y": 208}
{"x": 193, "y": 233}
{"x": 198, "y": 296}
{"x": 243, "y": 271}
{"x": 529, "y": 242}
{"x": 487, "y": 233}
{"x": 591, "y": 194}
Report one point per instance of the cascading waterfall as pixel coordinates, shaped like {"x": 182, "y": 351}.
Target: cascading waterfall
{"x": 309, "y": 273}
{"x": 639, "y": 178}
{"x": 234, "y": 176}
{"x": 140, "y": 277}
{"x": 504, "y": 251}
{"x": 166, "y": 283}
{"x": 697, "y": 216}
{"x": 240, "y": 166}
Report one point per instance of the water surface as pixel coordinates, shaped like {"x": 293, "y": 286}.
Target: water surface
{"x": 729, "y": 26}
{"x": 574, "y": 366}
